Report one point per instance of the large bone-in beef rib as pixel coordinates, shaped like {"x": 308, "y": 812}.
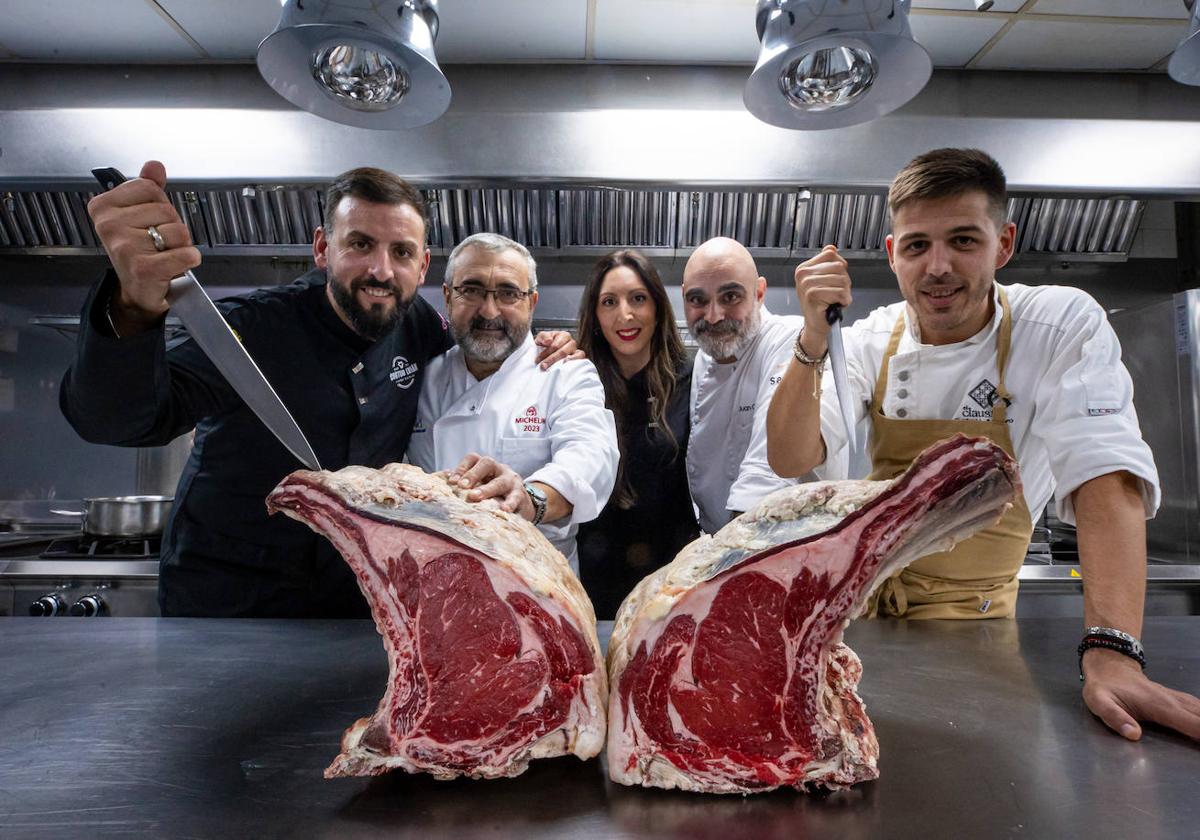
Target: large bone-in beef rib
{"x": 490, "y": 639}
{"x": 727, "y": 666}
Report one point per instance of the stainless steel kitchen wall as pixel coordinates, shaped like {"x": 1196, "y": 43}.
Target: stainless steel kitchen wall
{"x": 600, "y": 124}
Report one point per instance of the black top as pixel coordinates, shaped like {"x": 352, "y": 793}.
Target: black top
{"x": 622, "y": 546}
{"x": 354, "y": 400}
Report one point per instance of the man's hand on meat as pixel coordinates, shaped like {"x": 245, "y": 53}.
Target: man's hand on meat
{"x": 123, "y": 217}
{"x": 486, "y": 478}
{"x": 497, "y": 411}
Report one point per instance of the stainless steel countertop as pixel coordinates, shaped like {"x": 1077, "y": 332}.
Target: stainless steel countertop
{"x": 216, "y": 728}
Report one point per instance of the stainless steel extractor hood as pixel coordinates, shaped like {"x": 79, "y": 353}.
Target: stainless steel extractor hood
{"x": 574, "y": 159}
{"x": 278, "y": 219}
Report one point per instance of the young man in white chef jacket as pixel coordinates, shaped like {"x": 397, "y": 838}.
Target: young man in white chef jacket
{"x": 1035, "y": 369}
{"x": 541, "y": 442}
{"x": 744, "y": 350}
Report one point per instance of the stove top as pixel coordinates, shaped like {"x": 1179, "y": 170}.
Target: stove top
{"x": 84, "y": 547}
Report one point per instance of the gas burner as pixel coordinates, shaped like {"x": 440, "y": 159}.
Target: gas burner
{"x": 105, "y": 548}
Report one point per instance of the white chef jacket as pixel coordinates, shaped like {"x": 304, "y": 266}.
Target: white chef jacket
{"x": 727, "y": 451}
{"x": 1071, "y": 419}
{"x": 548, "y": 425}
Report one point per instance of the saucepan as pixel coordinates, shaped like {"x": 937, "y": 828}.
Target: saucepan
{"x": 123, "y": 516}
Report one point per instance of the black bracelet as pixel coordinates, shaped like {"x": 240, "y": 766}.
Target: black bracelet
{"x": 1108, "y": 643}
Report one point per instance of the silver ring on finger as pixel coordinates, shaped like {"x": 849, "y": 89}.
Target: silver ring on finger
{"x": 156, "y": 237}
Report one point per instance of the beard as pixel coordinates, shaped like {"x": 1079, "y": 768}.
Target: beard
{"x": 489, "y": 348}
{"x": 374, "y": 321}
{"x": 727, "y": 338}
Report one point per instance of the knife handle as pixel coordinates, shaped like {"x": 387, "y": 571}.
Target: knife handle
{"x": 109, "y": 177}
{"x": 833, "y": 314}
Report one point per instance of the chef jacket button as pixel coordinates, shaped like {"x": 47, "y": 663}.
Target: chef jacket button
{"x": 358, "y": 368}
{"x": 902, "y": 412}
{"x": 362, "y": 400}
{"x": 903, "y": 376}
{"x": 902, "y": 393}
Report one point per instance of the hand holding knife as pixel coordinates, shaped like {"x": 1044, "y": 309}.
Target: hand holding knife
{"x": 188, "y": 300}
{"x": 823, "y": 289}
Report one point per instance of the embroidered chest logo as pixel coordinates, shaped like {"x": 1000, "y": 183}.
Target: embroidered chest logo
{"x": 530, "y": 421}
{"x": 984, "y": 394}
{"x": 404, "y": 372}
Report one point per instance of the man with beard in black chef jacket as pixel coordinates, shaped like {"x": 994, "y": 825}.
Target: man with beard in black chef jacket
{"x": 345, "y": 346}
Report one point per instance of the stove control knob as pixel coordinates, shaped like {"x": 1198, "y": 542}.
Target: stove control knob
{"x": 89, "y": 606}
{"x": 48, "y": 605}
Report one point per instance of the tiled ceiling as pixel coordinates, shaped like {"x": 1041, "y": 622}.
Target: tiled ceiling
{"x": 1089, "y": 35}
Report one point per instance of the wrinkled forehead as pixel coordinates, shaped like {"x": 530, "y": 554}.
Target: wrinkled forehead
{"x": 492, "y": 268}
{"x": 712, "y": 274}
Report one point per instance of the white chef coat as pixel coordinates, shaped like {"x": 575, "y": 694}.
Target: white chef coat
{"x": 550, "y": 426}
{"x": 1071, "y": 419}
{"x": 727, "y": 451}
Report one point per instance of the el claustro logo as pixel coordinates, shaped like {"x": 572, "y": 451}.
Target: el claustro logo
{"x": 984, "y": 395}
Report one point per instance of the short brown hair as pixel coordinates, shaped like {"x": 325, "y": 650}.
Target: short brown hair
{"x": 371, "y": 184}
{"x": 943, "y": 173}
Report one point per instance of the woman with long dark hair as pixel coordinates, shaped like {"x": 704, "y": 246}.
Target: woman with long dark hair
{"x": 627, "y": 328}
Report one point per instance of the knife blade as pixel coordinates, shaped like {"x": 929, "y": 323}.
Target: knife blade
{"x": 841, "y": 379}
{"x": 204, "y": 323}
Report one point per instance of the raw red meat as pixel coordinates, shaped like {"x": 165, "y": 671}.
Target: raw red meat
{"x": 727, "y": 666}
{"x": 490, "y": 637}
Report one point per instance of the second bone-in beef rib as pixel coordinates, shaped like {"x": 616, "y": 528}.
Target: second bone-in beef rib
{"x": 727, "y": 667}
{"x": 490, "y": 638}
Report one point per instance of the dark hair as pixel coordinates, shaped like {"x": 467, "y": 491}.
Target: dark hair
{"x": 371, "y": 184}
{"x": 943, "y": 173}
{"x": 666, "y": 352}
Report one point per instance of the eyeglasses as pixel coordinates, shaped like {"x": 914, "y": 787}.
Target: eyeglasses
{"x": 476, "y": 295}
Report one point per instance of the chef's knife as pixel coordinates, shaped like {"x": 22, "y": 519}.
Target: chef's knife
{"x": 841, "y": 380}
{"x": 204, "y": 323}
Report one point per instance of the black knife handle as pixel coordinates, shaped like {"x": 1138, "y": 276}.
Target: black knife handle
{"x": 833, "y": 314}
{"x": 109, "y": 177}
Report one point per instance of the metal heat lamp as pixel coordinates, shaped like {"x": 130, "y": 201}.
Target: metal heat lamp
{"x": 368, "y": 63}
{"x": 833, "y": 63}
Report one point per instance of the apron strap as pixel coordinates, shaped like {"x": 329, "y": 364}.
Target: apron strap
{"x": 1003, "y": 345}
{"x": 881, "y": 381}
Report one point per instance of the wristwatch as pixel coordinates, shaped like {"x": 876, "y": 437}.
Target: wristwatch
{"x": 1111, "y": 638}
{"x": 539, "y": 502}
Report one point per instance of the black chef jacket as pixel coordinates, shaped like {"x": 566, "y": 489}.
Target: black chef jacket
{"x": 355, "y": 401}
{"x": 622, "y": 546}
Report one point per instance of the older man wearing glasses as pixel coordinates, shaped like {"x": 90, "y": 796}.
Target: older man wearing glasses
{"x": 538, "y": 441}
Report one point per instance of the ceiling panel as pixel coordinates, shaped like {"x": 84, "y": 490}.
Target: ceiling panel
{"x": 68, "y": 30}
{"x": 226, "y": 29}
{"x": 1114, "y": 8}
{"x": 1053, "y": 45}
{"x": 512, "y": 30}
{"x": 953, "y": 41}
{"x": 676, "y": 30}
{"x": 968, "y": 5}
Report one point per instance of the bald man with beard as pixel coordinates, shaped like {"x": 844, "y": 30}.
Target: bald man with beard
{"x": 744, "y": 351}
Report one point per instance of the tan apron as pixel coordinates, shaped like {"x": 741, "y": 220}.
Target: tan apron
{"x": 978, "y": 577}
